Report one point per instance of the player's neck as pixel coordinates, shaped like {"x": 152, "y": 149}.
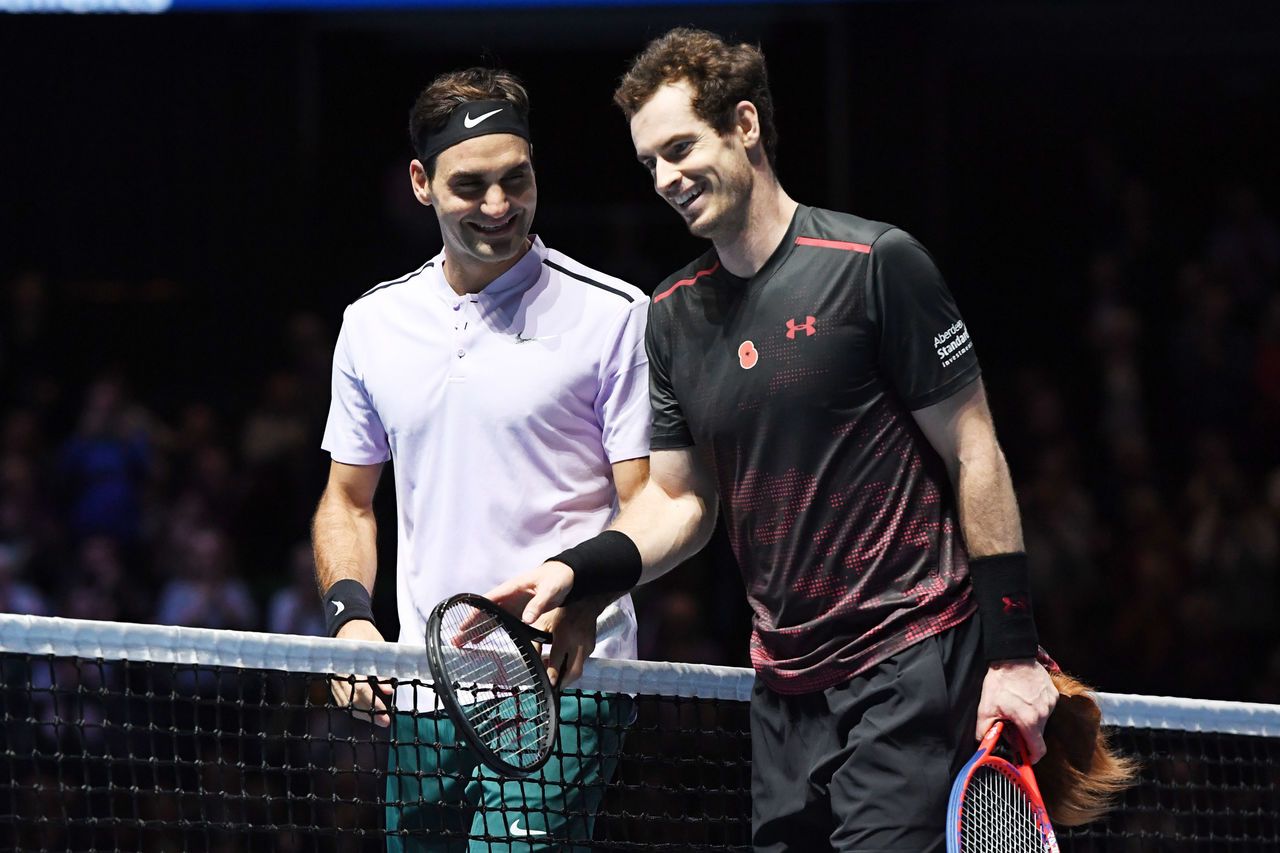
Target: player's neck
{"x": 469, "y": 276}
{"x": 765, "y": 223}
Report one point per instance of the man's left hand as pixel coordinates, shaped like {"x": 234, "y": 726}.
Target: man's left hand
{"x": 1021, "y": 692}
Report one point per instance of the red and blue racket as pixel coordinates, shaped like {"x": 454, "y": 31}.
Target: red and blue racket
{"x": 995, "y": 804}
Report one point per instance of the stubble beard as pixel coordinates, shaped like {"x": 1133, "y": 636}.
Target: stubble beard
{"x": 728, "y": 223}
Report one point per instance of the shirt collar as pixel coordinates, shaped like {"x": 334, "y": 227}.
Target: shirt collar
{"x": 522, "y": 276}
{"x": 780, "y": 253}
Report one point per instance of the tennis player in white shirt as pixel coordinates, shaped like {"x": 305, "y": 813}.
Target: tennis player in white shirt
{"x": 508, "y": 386}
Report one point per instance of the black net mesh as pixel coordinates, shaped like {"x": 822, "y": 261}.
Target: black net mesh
{"x": 114, "y": 755}
{"x": 109, "y": 755}
{"x": 1199, "y": 791}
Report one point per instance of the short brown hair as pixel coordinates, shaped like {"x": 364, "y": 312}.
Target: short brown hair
{"x": 720, "y": 74}
{"x": 431, "y": 111}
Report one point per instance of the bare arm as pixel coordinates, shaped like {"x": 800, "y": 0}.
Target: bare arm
{"x": 629, "y": 478}
{"x": 344, "y": 536}
{"x": 961, "y": 430}
{"x": 673, "y": 516}
{"x": 344, "y": 533}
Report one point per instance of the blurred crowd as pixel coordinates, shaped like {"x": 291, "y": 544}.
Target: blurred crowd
{"x": 112, "y": 510}
{"x": 1143, "y": 449}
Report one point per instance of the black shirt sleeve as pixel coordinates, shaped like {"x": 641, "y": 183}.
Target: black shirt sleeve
{"x": 925, "y": 352}
{"x": 670, "y": 430}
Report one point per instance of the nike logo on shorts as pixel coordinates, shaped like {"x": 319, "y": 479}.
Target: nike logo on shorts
{"x": 338, "y": 607}
{"x": 469, "y": 122}
{"x": 516, "y": 829}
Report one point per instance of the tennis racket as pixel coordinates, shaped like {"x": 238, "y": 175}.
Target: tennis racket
{"x": 492, "y": 682}
{"x": 995, "y": 803}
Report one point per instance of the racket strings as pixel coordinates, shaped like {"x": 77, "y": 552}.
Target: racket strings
{"x": 490, "y": 669}
{"x": 997, "y": 816}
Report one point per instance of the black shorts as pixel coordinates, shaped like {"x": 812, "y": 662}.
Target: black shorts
{"x": 867, "y": 765}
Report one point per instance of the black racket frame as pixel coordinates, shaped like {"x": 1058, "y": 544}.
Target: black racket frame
{"x": 524, "y": 636}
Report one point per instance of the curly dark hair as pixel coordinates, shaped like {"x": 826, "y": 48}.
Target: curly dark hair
{"x": 431, "y": 111}
{"x": 721, "y": 75}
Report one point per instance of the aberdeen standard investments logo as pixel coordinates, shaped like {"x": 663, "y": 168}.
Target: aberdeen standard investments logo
{"x": 952, "y": 343}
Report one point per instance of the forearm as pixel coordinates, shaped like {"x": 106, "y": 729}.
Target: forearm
{"x": 667, "y": 529}
{"x": 997, "y": 564}
{"x": 989, "y": 516}
{"x": 960, "y": 429}
{"x": 344, "y": 539}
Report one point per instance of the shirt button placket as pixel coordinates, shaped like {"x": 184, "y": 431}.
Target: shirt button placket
{"x": 462, "y": 322}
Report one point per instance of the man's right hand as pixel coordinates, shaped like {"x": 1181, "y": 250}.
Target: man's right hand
{"x": 535, "y": 592}
{"x": 573, "y": 632}
{"x": 364, "y": 697}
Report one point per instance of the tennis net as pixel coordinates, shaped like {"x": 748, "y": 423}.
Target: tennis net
{"x": 139, "y": 737}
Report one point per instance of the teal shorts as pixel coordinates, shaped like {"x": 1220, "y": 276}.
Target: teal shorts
{"x": 440, "y": 798}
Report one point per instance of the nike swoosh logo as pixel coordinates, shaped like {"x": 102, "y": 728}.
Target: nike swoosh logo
{"x": 517, "y": 830}
{"x": 521, "y": 339}
{"x": 469, "y": 122}
{"x": 338, "y": 607}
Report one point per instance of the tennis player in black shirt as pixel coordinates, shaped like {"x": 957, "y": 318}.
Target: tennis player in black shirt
{"x": 811, "y": 375}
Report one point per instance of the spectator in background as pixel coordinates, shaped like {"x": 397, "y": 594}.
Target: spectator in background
{"x": 207, "y": 593}
{"x": 214, "y": 483}
{"x": 104, "y": 466}
{"x": 21, "y": 434}
{"x": 275, "y": 445}
{"x": 1231, "y": 543}
{"x": 675, "y": 629}
{"x": 293, "y": 608}
{"x": 99, "y": 589}
{"x": 310, "y": 358}
{"x": 198, "y": 428}
{"x": 1061, "y": 529}
{"x": 24, "y": 326}
{"x": 1211, "y": 355}
{"x": 26, "y": 516}
{"x": 1147, "y": 579}
{"x": 1266, "y": 381}
{"x": 17, "y": 596}
{"x": 275, "y": 433}
{"x": 1246, "y": 248}
{"x": 1115, "y": 333}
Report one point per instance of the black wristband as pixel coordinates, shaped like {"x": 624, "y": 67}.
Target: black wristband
{"x": 346, "y": 600}
{"x": 608, "y": 562}
{"x": 1002, "y": 586}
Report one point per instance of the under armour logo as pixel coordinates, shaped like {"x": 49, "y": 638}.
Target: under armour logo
{"x": 1014, "y": 604}
{"x": 807, "y": 325}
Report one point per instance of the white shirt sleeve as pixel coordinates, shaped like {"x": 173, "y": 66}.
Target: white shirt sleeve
{"x": 354, "y": 433}
{"x": 622, "y": 404}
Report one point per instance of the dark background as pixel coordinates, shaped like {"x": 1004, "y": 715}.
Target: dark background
{"x": 189, "y": 202}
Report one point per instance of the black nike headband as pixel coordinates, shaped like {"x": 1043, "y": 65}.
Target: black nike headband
{"x": 471, "y": 119}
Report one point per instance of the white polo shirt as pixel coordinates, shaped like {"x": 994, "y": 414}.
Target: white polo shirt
{"x": 503, "y": 412}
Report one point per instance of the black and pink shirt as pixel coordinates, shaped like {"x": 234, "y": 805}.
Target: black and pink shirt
{"x": 798, "y": 384}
